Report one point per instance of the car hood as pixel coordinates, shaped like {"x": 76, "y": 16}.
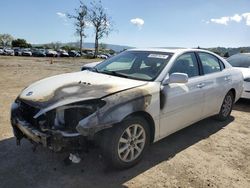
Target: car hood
{"x": 74, "y": 87}
{"x": 245, "y": 71}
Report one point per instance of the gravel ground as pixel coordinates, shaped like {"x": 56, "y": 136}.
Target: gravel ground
{"x": 206, "y": 154}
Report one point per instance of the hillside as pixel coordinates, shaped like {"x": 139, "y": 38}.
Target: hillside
{"x": 114, "y": 47}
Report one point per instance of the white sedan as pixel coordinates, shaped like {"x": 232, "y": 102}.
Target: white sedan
{"x": 127, "y": 102}
{"x": 242, "y": 62}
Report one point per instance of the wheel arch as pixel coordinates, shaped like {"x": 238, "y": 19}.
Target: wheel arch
{"x": 149, "y": 119}
{"x": 233, "y": 92}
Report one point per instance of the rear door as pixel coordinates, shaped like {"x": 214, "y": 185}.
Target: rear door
{"x": 216, "y": 81}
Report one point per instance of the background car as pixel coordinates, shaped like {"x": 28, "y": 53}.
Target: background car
{"x": 1, "y": 51}
{"x": 62, "y": 53}
{"x": 39, "y": 53}
{"x": 102, "y": 56}
{"x": 17, "y": 51}
{"x": 242, "y": 62}
{"x": 8, "y": 51}
{"x": 51, "y": 53}
{"x": 26, "y": 52}
{"x": 74, "y": 53}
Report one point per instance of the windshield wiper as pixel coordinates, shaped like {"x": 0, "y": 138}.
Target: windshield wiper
{"x": 114, "y": 73}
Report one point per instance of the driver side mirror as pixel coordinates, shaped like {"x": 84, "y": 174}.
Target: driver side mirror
{"x": 180, "y": 78}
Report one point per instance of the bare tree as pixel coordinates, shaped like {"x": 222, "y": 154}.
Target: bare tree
{"x": 5, "y": 40}
{"x": 80, "y": 18}
{"x": 100, "y": 21}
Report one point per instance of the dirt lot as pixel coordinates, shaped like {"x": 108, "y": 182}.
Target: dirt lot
{"x": 206, "y": 154}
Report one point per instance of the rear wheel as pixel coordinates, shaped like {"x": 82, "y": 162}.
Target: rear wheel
{"x": 226, "y": 107}
{"x": 124, "y": 145}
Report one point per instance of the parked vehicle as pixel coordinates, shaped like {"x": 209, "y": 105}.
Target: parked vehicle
{"x": 63, "y": 53}
{"x": 26, "y": 52}
{"x": 51, "y": 53}
{"x": 102, "y": 56}
{"x": 90, "y": 66}
{"x": 17, "y": 51}
{"x": 108, "y": 55}
{"x": 74, "y": 53}
{"x": 89, "y": 54}
{"x": 8, "y": 51}
{"x": 39, "y": 53}
{"x": 1, "y": 51}
{"x": 127, "y": 102}
{"x": 242, "y": 62}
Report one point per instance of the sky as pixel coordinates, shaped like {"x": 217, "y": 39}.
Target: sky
{"x": 137, "y": 23}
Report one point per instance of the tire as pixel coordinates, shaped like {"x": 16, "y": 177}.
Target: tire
{"x": 118, "y": 147}
{"x": 226, "y": 107}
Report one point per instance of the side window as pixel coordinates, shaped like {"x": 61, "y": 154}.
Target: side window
{"x": 209, "y": 63}
{"x": 186, "y": 63}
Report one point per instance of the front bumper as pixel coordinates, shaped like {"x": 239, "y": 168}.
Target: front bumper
{"x": 55, "y": 140}
{"x": 24, "y": 128}
{"x": 52, "y": 139}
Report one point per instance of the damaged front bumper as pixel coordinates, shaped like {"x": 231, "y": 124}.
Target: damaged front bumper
{"x": 52, "y": 139}
{"x": 24, "y": 129}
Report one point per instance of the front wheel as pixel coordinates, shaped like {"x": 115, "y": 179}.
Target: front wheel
{"x": 125, "y": 144}
{"x": 226, "y": 107}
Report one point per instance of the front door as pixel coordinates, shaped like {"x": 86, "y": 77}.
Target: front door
{"x": 183, "y": 103}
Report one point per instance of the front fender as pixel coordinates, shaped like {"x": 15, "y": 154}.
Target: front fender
{"x": 117, "y": 107}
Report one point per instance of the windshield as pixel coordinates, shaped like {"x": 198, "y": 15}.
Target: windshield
{"x": 240, "y": 60}
{"x": 140, "y": 65}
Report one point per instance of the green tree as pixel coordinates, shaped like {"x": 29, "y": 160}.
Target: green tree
{"x": 102, "y": 46}
{"x": 22, "y": 43}
{"x": 5, "y": 40}
{"x": 226, "y": 54}
{"x": 68, "y": 48}
{"x": 242, "y": 50}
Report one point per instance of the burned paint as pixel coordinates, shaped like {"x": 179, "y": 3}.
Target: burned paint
{"x": 75, "y": 85}
{"x": 65, "y": 114}
{"x": 118, "y": 107}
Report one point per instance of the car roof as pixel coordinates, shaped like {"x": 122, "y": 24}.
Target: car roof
{"x": 241, "y": 54}
{"x": 168, "y": 50}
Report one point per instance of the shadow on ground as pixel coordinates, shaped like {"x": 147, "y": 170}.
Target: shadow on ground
{"x": 20, "y": 167}
{"x": 242, "y": 105}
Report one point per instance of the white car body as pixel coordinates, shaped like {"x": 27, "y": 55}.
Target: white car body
{"x": 8, "y": 51}
{"x": 1, "y": 52}
{"x": 50, "y": 52}
{"x": 102, "y": 56}
{"x": 246, "y": 85}
{"x": 26, "y": 52}
{"x": 241, "y": 62}
{"x": 168, "y": 105}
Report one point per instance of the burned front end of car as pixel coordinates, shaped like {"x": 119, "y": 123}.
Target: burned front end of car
{"x": 55, "y": 127}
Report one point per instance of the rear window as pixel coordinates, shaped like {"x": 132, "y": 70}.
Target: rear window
{"x": 209, "y": 63}
{"x": 240, "y": 60}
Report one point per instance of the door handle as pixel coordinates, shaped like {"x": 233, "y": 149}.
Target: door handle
{"x": 227, "y": 78}
{"x": 201, "y": 85}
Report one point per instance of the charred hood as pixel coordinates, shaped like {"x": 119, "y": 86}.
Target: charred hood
{"x": 74, "y": 87}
